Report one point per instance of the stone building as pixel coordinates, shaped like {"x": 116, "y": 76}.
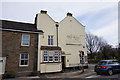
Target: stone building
{"x": 19, "y": 46}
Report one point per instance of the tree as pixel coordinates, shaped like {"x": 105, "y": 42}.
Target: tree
{"x": 106, "y": 51}
{"x": 94, "y": 43}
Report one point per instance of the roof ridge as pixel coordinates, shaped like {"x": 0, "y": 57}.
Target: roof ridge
{"x": 16, "y": 22}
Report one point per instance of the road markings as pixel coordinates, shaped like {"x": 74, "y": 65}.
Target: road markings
{"x": 93, "y": 76}
{"x": 84, "y": 74}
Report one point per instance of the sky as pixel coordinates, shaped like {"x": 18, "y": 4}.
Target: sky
{"x": 99, "y": 17}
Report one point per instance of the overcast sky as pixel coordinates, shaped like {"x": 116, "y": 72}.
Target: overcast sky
{"x": 100, "y": 18}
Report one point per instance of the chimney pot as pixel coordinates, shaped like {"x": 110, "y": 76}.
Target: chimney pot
{"x": 44, "y": 12}
{"x": 69, "y": 14}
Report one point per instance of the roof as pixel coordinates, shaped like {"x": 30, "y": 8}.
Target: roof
{"x": 18, "y": 26}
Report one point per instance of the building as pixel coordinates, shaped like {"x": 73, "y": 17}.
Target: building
{"x": 68, "y": 34}
{"x": 46, "y": 46}
{"x": 49, "y": 53}
{"x": 19, "y": 46}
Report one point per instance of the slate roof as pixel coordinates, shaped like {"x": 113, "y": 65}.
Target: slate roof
{"x": 5, "y": 24}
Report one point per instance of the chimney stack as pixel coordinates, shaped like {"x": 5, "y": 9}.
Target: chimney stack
{"x": 44, "y": 12}
{"x": 69, "y": 14}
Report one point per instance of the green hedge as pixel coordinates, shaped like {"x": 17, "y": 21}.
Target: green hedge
{"x": 94, "y": 61}
{"x": 9, "y": 75}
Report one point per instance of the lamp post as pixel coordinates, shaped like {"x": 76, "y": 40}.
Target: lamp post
{"x": 57, "y": 32}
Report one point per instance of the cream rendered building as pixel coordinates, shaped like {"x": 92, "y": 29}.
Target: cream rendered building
{"x": 72, "y": 41}
{"x": 59, "y": 47}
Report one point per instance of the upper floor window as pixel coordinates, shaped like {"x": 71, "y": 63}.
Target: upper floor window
{"x": 25, "y": 39}
{"x": 24, "y": 59}
{"x": 50, "y": 40}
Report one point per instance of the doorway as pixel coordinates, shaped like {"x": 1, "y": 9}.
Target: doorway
{"x": 63, "y": 62}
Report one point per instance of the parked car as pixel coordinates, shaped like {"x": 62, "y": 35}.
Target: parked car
{"x": 107, "y": 66}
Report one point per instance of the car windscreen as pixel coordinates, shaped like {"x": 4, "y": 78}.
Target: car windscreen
{"x": 102, "y": 62}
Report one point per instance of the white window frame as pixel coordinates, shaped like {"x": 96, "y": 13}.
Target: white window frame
{"x": 59, "y": 56}
{"x": 50, "y": 39}
{"x": 23, "y": 59}
{"x": 51, "y": 55}
{"x": 56, "y": 55}
{"x": 45, "y": 56}
{"x": 25, "y": 40}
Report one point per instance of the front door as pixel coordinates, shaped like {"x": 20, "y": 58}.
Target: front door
{"x": 63, "y": 62}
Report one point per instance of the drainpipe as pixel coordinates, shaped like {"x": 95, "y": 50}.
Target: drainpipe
{"x": 57, "y": 32}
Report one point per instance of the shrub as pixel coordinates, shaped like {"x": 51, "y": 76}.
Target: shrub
{"x": 9, "y": 75}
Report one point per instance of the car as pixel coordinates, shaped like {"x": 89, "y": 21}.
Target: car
{"x": 107, "y": 66}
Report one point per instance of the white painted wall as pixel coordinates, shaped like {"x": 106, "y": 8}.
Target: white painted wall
{"x": 72, "y": 32}
{"x": 71, "y": 38}
{"x": 2, "y": 65}
{"x": 48, "y": 25}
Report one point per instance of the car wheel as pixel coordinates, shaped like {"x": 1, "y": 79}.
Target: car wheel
{"x": 110, "y": 72}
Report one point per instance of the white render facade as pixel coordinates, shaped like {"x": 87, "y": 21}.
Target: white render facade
{"x": 59, "y": 47}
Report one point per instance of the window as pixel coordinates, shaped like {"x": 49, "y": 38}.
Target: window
{"x": 60, "y": 56}
{"x": 50, "y": 40}
{"x": 51, "y": 53}
{"x": 113, "y": 62}
{"x": 51, "y": 56}
{"x": 24, "y": 59}
{"x": 102, "y": 62}
{"x": 25, "y": 40}
{"x": 45, "y": 56}
{"x": 56, "y": 58}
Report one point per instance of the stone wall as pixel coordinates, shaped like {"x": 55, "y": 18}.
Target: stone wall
{"x": 11, "y": 48}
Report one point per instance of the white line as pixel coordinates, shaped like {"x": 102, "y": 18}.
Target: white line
{"x": 93, "y": 76}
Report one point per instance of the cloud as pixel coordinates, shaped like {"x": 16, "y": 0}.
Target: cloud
{"x": 102, "y": 22}
{"x": 95, "y": 16}
{"x": 108, "y": 32}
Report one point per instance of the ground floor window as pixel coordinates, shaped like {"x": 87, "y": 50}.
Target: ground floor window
{"x": 24, "y": 59}
{"x": 45, "y": 56}
{"x": 51, "y": 56}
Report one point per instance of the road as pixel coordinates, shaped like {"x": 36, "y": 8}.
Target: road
{"x": 91, "y": 74}
{"x": 77, "y": 75}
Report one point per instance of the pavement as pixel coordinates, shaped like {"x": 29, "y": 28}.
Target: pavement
{"x": 66, "y": 74}
{"x": 72, "y": 75}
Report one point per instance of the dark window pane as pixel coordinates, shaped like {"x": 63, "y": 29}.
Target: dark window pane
{"x": 51, "y": 41}
{"x": 26, "y": 62}
{"x": 48, "y": 41}
{"x": 22, "y": 56}
{"x": 22, "y": 62}
{"x": 48, "y": 37}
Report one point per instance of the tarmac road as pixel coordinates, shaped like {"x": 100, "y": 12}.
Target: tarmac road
{"x": 76, "y": 75}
